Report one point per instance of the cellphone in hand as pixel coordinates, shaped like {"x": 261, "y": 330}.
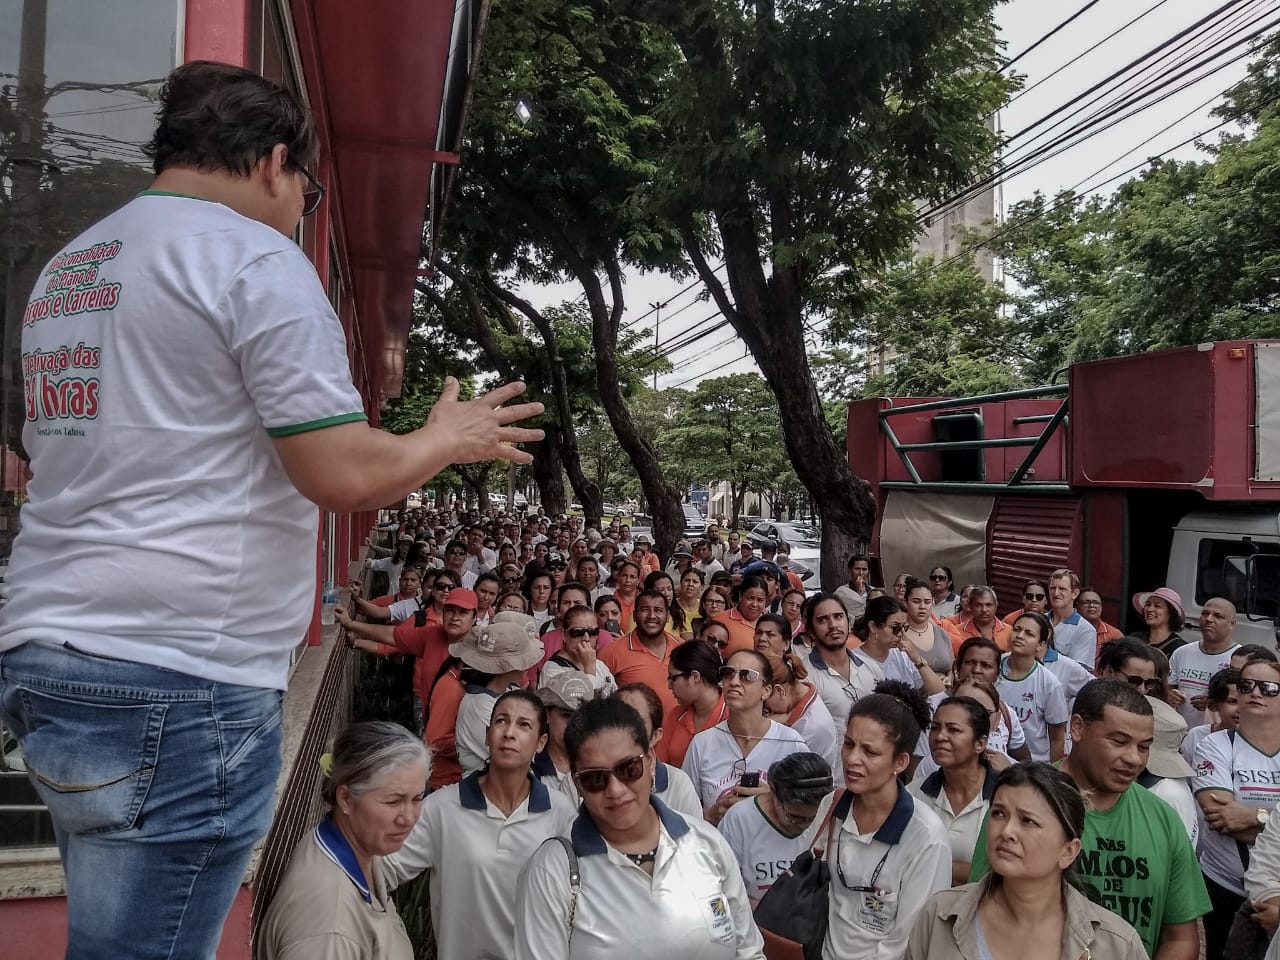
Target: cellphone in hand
{"x": 750, "y": 779}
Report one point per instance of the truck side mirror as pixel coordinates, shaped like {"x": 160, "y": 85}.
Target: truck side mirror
{"x": 1263, "y": 595}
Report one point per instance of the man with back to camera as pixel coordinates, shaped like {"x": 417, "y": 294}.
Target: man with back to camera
{"x": 213, "y": 410}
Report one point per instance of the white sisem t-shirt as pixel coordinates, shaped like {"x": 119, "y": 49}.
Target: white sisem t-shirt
{"x": 1190, "y": 669}
{"x": 763, "y": 851}
{"x": 1234, "y": 766}
{"x": 1038, "y": 701}
{"x": 162, "y": 350}
{"x": 714, "y": 762}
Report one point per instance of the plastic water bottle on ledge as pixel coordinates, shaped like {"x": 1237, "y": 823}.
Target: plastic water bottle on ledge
{"x": 328, "y": 601}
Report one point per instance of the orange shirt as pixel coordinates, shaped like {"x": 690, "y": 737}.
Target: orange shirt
{"x": 678, "y": 731}
{"x": 627, "y": 619}
{"x": 630, "y": 661}
{"x": 442, "y": 720}
{"x": 962, "y": 629}
{"x": 429, "y": 645}
{"x": 742, "y": 632}
{"x": 1107, "y": 633}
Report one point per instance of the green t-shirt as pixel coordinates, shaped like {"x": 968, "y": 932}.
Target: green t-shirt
{"x": 1136, "y": 861}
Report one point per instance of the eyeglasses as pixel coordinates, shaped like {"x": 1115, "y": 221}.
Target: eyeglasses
{"x": 311, "y": 198}
{"x": 456, "y": 553}
{"x": 443, "y": 587}
{"x": 596, "y": 779}
{"x": 555, "y": 566}
{"x": 1150, "y": 684}
{"x": 720, "y": 644}
{"x": 673, "y": 677}
{"x": 510, "y": 579}
{"x": 796, "y": 821}
{"x": 579, "y": 632}
{"x": 1268, "y": 688}
{"x": 938, "y": 577}
{"x": 1033, "y": 596}
{"x": 745, "y": 674}
{"x": 1089, "y": 603}
{"x": 898, "y": 629}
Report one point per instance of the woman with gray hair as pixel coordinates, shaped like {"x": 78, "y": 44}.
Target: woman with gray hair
{"x": 334, "y": 903}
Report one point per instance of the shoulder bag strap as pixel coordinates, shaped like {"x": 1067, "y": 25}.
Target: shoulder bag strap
{"x": 575, "y": 880}
{"x": 828, "y": 827}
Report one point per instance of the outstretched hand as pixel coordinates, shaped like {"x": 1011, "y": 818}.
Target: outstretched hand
{"x": 481, "y": 429}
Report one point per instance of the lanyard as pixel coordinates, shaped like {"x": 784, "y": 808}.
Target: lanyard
{"x": 875, "y": 874}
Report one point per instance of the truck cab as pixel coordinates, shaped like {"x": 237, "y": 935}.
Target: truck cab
{"x": 1160, "y": 468}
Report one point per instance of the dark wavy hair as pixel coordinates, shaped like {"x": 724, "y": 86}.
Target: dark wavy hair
{"x": 214, "y": 116}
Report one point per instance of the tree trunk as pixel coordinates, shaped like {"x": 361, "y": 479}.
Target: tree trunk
{"x": 586, "y": 489}
{"x": 662, "y": 498}
{"x": 548, "y": 471}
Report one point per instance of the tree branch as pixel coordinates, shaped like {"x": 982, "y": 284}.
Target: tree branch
{"x": 708, "y": 275}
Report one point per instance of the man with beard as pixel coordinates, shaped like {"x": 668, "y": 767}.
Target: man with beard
{"x": 642, "y": 655}
{"x": 841, "y": 676}
{"x": 1135, "y": 854}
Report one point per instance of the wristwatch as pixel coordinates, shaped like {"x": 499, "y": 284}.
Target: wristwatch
{"x": 1263, "y": 816}
{"x": 920, "y": 664}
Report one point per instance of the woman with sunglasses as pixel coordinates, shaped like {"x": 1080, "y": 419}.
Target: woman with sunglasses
{"x": 1028, "y": 906}
{"x": 1236, "y": 773}
{"x": 693, "y": 674}
{"x": 796, "y": 702}
{"x": 766, "y": 835}
{"x": 888, "y": 853}
{"x": 1035, "y": 599}
{"x": 475, "y": 835}
{"x": 644, "y": 882}
{"x": 711, "y": 603}
{"x": 671, "y": 785}
{"x": 730, "y": 762}
{"x": 959, "y": 789}
{"x": 884, "y": 628}
{"x": 578, "y": 651}
{"x": 1035, "y": 692}
{"x": 945, "y": 601}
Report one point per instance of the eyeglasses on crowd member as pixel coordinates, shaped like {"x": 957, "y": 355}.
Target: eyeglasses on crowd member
{"x": 711, "y": 602}
{"x": 766, "y": 835}
{"x": 883, "y": 628}
{"x": 1029, "y": 905}
{"x": 946, "y": 602}
{"x": 730, "y": 762}
{"x": 579, "y": 642}
{"x": 671, "y": 785}
{"x": 693, "y": 677}
{"x": 1235, "y": 776}
{"x": 653, "y": 885}
{"x": 374, "y": 788}
{"x": 474, "y": 836}
{"x": 888, "y": 853}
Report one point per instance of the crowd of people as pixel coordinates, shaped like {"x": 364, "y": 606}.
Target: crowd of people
{"x": 621, "y": 756}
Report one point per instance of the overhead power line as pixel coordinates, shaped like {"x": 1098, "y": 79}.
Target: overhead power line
{"x": 1063, "y": 25}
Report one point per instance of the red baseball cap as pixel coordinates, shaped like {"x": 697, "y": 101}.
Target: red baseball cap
{"x": 461, "y": 597}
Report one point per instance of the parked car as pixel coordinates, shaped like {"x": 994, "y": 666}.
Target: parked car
{"x": 695, "y": 524}
{"x": 804, "y": 541}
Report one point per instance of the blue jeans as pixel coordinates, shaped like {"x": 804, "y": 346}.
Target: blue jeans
{"x": 159, "y": 785}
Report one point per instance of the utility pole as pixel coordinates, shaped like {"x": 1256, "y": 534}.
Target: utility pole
{"x": 657, "y": 318}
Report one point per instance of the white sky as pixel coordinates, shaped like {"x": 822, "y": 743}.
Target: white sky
{"x": 1022, "y": 22}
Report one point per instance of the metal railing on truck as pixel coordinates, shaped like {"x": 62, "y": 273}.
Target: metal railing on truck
{"x": 1052, "y": 422}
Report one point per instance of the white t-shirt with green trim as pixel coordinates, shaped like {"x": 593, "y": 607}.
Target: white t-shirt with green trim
{"x": 763, "y": 851}
{"x": 1232, "y": 765}
{"x": 162, "y": 349}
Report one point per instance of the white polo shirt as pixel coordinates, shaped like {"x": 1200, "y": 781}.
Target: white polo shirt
{"x": 819, "y": 729}
{"x": 715, "y": 763}
{"x": 1070, "y": 673}
{"x": 1077, "y": 638}
{"x": 964, "y": 825}
{"x": 673, "y": 787}
{"x": 473, "y": 897}
{"x": 693, "y": 907}
{"x": 909, "y": 857}
{"x": 838, "y": 694}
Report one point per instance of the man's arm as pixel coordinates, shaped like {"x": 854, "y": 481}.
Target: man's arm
{"x": 377, "y": 632}
{"x": 1057, "y": 741}
{"x": 352, "y": 466}
{"x": 1179, "y": 941}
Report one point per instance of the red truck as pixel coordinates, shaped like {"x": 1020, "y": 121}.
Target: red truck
{"x": 1160, "y": 468}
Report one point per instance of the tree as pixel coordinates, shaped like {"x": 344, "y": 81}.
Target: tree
{"x": 722, "y": 432}
{"x": 806, "y": 188}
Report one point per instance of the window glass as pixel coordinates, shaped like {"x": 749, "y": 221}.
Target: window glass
{"x": 1223, "y": 569}
{"x": 78, "y": 96}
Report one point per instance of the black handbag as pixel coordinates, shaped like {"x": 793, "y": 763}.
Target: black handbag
{"x": 792, "y": 915}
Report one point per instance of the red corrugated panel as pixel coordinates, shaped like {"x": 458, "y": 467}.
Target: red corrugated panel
{"x": 1028, "y": 538}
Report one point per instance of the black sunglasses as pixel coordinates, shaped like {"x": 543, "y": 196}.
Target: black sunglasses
{"x": 579, "y": 632}
{"x": 1268, "y": 688}
{"x": 1033, "y": 596}
{"x": 596, "y": 779}
{"x": 311, "y": 197}
{"x": 1149, "y": 684}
